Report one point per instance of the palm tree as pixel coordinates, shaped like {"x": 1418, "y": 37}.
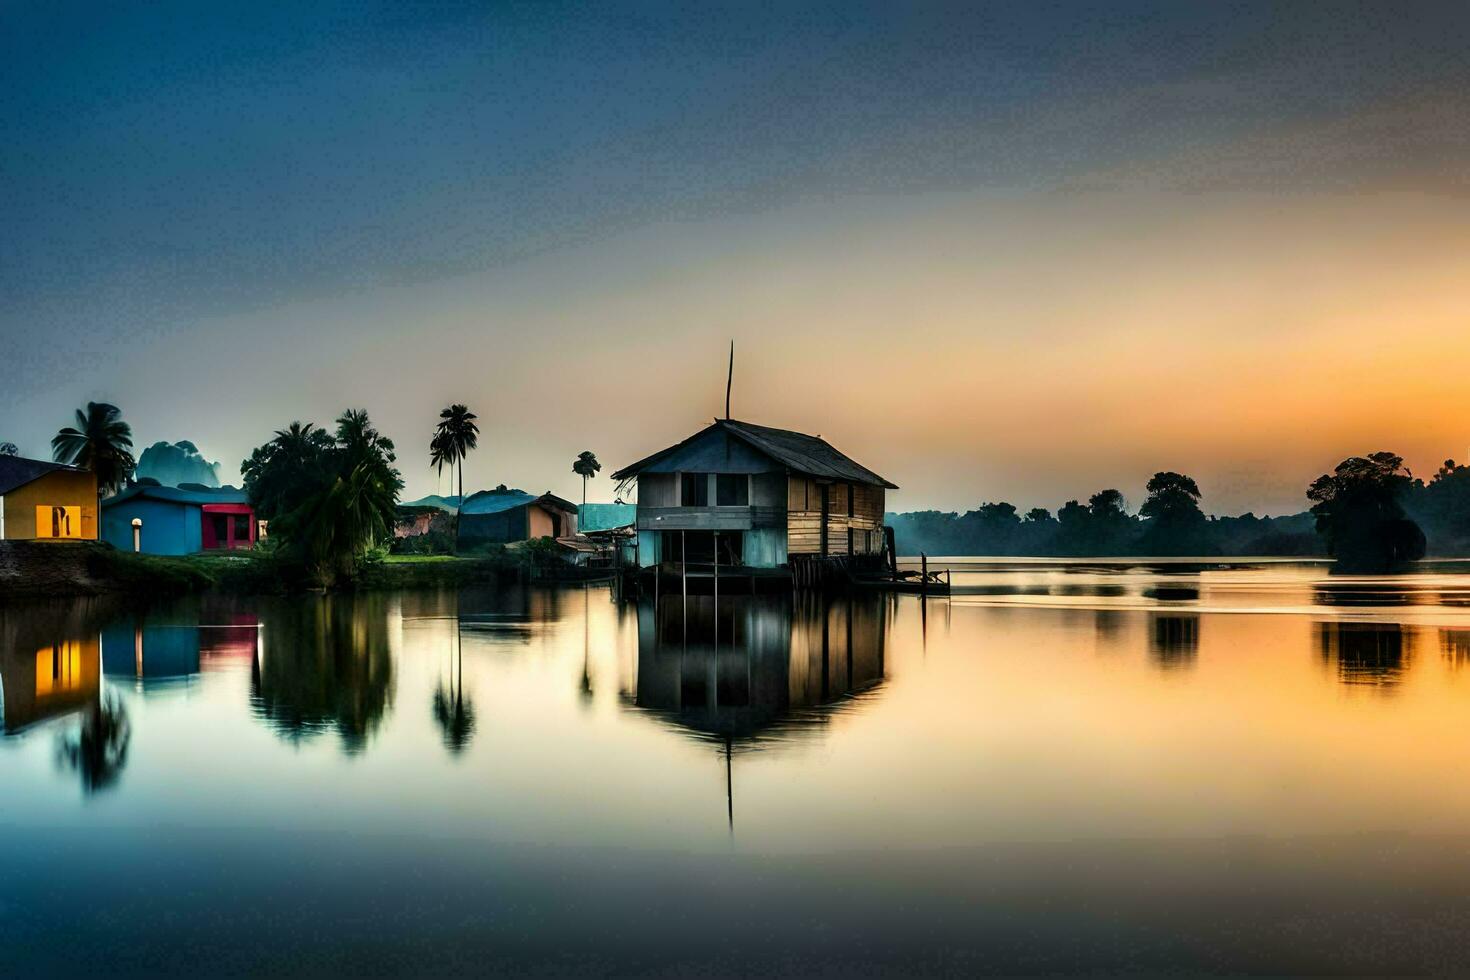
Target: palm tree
{"x": 455, "y": 436}
{"x": 586, "y": 465}
{"x": 101, "y": 442}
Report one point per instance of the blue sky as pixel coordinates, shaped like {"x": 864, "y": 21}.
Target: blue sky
{"x": 196, "y": 190}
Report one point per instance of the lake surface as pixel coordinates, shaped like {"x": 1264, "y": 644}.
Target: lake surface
{"x": 1064, "y": 767}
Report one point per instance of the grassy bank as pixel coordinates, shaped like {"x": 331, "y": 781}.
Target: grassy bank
{"x": 36, "y": 570}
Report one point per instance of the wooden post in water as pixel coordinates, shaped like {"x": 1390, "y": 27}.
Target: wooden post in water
{"x": 684, "y": 569}
{"x": 717, "y": 589}
{"x": 924, "y": 572}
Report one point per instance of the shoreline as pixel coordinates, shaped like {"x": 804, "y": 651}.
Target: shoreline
{"x": 31, "y": 571}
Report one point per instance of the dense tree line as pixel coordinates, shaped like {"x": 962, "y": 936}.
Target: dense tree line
{"x": 1370, "y": 513}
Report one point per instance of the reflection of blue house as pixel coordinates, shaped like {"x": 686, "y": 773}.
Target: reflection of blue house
{"x": 178, "y": 520}
{"x": 150, "y": 651}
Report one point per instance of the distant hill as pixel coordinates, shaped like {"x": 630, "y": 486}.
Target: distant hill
{"x": 172, "y": 464}
{"x": 432, "y": 500}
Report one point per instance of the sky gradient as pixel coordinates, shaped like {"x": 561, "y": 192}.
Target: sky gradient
{"x": 1010, "y": 251}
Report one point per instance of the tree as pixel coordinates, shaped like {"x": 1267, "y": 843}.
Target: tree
{"x": 1359, "y": 512}
{"x": 101, "y": 442}
{"x": 453, "y": 439}
{"x": 330, "y": 500}
{"x": 586, "y": 465}
{"x": 9, "y": 449}
{"x": 1175, "y": 521}
{"x": 294, "y": 465}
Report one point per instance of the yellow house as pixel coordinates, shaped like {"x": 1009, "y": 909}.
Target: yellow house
{"x": 40, "y": 499}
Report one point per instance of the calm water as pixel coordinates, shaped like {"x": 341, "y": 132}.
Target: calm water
{"x": 1078, "y": 767}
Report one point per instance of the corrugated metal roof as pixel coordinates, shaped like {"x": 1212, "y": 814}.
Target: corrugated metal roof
{"x": 605, "y": 517}
{"x": 496, "y": 501}
{"x": 811, "y": 455}
{"x": 17, "y": 471}
{"x": 179, "y": 495}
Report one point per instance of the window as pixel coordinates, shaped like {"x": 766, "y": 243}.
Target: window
{"x": 732, "y": 490}
{"x": 694, "y": 489}
{"x": 58, "y": 522}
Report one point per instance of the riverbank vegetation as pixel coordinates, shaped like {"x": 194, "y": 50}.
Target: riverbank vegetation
{"x": 1370, "y": 513}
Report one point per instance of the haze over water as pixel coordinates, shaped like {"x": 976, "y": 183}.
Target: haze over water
{"x": 1068, "y": 765}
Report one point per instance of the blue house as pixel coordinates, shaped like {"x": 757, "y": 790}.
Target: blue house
{"x": 179, "y": 520}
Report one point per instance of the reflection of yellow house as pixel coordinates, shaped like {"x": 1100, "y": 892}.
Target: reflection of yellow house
{"x": 39, "y": 499}
{"x": 54, "y": 680}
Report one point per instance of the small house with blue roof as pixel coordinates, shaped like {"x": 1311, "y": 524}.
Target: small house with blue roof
{"x": 179, "y": 520}
{"x": 503, "y": 516}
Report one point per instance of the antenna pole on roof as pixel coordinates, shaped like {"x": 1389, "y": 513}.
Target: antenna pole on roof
{"x": 729, "y": 379}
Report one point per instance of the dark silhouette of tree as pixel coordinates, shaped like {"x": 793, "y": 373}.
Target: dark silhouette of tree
{"x": 1359, "y": 512}
{"x": 293, "y": 466}
{"x": 585, "y": 466}
{"x": 101, "y": 442}
{"x": 9, "y": 449}
{"x": 330, "y": 500}
{"x": 1175, "y": 523}
{"x": 99, "y": 750}
{"x": 1442, "y": 507}
{"x": 455, "y": 436}
{"x": 1038, "y": 515}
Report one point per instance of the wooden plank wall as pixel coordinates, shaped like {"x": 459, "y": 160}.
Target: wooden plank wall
{"x": 804, "y": 518}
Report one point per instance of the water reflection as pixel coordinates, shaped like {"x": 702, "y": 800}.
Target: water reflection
{"x": 1369, "y": 655}
{"x": 49, "y": 663}
{"x": 1174, "y": 641}
{"x": 752, "y": 668}
{"x": 454, "y": 713}
{"x": 325, "y": 666}
{"x": 1367, "y": 594}
{"x": 98, "y": 750}
{"x": 160, "y": 648}
{"x": 1455, "y": 647}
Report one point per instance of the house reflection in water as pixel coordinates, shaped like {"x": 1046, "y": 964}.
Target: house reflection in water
{"x": 192, "y": 640}
{"x": 755, "y": 668}
{"x": 49, "y": 665}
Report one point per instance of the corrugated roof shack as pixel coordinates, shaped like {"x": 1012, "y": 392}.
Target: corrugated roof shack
{"x": 507, "y": 516}
{"x": 755, "y": 496}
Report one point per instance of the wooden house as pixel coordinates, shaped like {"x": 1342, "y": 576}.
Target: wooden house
{"x": 756, "y": 496}
{"x": 40, "y": 499}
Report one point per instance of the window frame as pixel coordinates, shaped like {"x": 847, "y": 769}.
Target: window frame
{"x": 741, "y": 482}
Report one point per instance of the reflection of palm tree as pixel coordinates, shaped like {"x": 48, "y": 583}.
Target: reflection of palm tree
{"x": 100, "y": 748}
{"x": 454, "y": 713}
{"x": 456, "y": 718}
{"x": 586, "y": 649}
